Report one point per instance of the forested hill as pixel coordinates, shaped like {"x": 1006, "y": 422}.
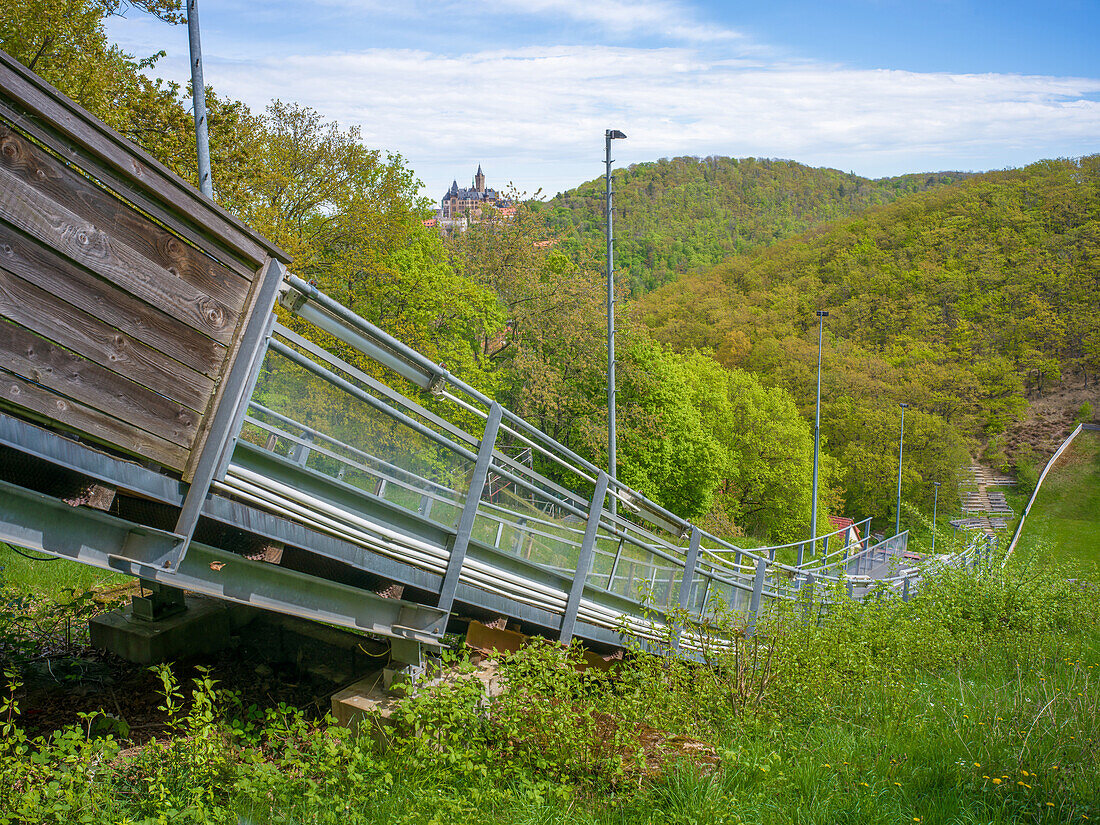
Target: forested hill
{"x": 673, "y": 216}
{"x": 962, "y": 301}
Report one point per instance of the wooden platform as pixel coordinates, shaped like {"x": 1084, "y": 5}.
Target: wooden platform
{"x": 123, "y": 291}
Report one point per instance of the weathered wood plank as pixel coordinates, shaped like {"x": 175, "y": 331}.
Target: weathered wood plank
{"x": 32, "y": 212}
{"x": 36, "y": 96}
{"x": 272, "y": 269}
{"x": 24, "y": 397}
{"x": 41, "y": 266}
{"x": 81, "y": 196}
{"x": 36, "y": 359}
{"x": 120, "y": 185}
{"x": 85, "y": 335}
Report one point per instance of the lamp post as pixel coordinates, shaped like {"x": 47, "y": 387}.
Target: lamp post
{"x": 935, "y": 506}
{"x": 901, "y": 448}
{"x": 822, "y": 314}
{"x": 610, "y": 135}
{"x": 198, "y": 96}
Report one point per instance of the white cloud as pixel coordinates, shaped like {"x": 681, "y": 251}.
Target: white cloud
{"x": 538, "y": 114}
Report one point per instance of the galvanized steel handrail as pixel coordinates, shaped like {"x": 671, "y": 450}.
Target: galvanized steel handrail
{"x": 661, "y": 561}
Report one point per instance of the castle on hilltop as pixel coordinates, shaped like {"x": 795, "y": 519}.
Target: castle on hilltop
{"x": 459, "y": 203}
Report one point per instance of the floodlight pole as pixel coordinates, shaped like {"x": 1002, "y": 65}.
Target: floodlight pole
{"x": 935, "y": 506}
{"x": 198, "y": 96}
{"x": 609, "y": 135}
{"x": 821, "y": 316}
{"x": 901, "y": 448}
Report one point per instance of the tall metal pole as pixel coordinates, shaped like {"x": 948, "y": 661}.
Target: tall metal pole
{"x": 901, "y": 448}
{"x": 935, "y": 506}
{"x": 821, "y": 316}
{"x": 198, "y": 95}
{"x": 609, "y": 135}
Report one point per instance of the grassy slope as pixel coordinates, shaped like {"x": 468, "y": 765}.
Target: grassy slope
{"x": 50, "y": 579}
{"x": 1066, "y": 513}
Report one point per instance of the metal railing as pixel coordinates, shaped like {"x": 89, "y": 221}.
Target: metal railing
{"x": 353, "y": 439}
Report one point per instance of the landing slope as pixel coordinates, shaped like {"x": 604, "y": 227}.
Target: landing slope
{"x": 1064, "y": 522}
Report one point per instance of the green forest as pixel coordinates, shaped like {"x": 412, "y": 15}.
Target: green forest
{"x": 688, "y": 213}
{"x": 964, "y": 302}
{"x": 958, "y": 294}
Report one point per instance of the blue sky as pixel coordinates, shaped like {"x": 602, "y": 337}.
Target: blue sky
{"x": 526, "y": 87}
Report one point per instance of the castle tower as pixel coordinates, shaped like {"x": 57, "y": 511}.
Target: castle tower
{"x": 479, "y": 180}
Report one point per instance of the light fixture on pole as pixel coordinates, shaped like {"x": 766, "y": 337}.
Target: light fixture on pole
{"x": 935, "y": 506}
{"x": 610, "y": 135}
{"x": 822, "y": 314}
{"x": 198, "y": 97}
{"x": 901, "y": 449}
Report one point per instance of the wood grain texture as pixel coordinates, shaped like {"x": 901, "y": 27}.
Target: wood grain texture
{"x": 89, "y": 337}
{"x": 32, "y": 212}
{"x": 270, "y": 269}
{"x": 38, "y": 403}
{"x": 36, "y": 359}
{"x": 45, "y": 134}
{"x": 38, "y": 264}
{"x": 38, "y": 98}
{"x": 78, "y": 194}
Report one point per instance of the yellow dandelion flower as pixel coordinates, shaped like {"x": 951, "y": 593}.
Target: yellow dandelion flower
{"x": 977, "y": 764}
{"x": 995, "y": 781}
{"x": 864, "y": 784}
{"x": 965, "y": 716}
{"x": 898, "y": 784}
{"x": 826, "y": 765}
{"x": 985, "y": 777}
{"x": 916, "y": 819}
{"x": 1023, "y": 773}
{"x": 1050, "y": 804}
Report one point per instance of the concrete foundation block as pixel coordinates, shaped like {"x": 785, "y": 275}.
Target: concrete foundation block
{"x": 201, "y": 629}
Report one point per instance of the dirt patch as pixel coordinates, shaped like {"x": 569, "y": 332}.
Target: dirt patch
{"x": 62, "y": 681}
{"x": 1049, "y": 419}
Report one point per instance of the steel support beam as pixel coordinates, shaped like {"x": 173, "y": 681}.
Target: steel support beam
{"x": 49, "y": 525}
{"x": 584, "y": 559}
{"x": 469, "y": 510}
{"x": 687, "y": 583}
{"x": 757, "y": 592}
{"x": 234, "y": 392}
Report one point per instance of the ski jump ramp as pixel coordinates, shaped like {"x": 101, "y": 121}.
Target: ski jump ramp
{"x": 159, "y": 418}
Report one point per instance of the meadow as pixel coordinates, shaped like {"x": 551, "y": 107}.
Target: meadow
{"x": 975, "y": 702}
{"x": 1063, "y": 519}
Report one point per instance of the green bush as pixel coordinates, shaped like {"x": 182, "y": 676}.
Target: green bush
{"x": 973, "y": 701}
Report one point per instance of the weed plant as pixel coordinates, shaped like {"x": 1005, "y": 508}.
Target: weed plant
{"x": 974, "y": 702}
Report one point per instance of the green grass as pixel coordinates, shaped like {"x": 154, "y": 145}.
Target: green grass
{"x": 51, "y": 579}
{"x": 974, "y": 703}
{"x": 1066, "y": 512}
